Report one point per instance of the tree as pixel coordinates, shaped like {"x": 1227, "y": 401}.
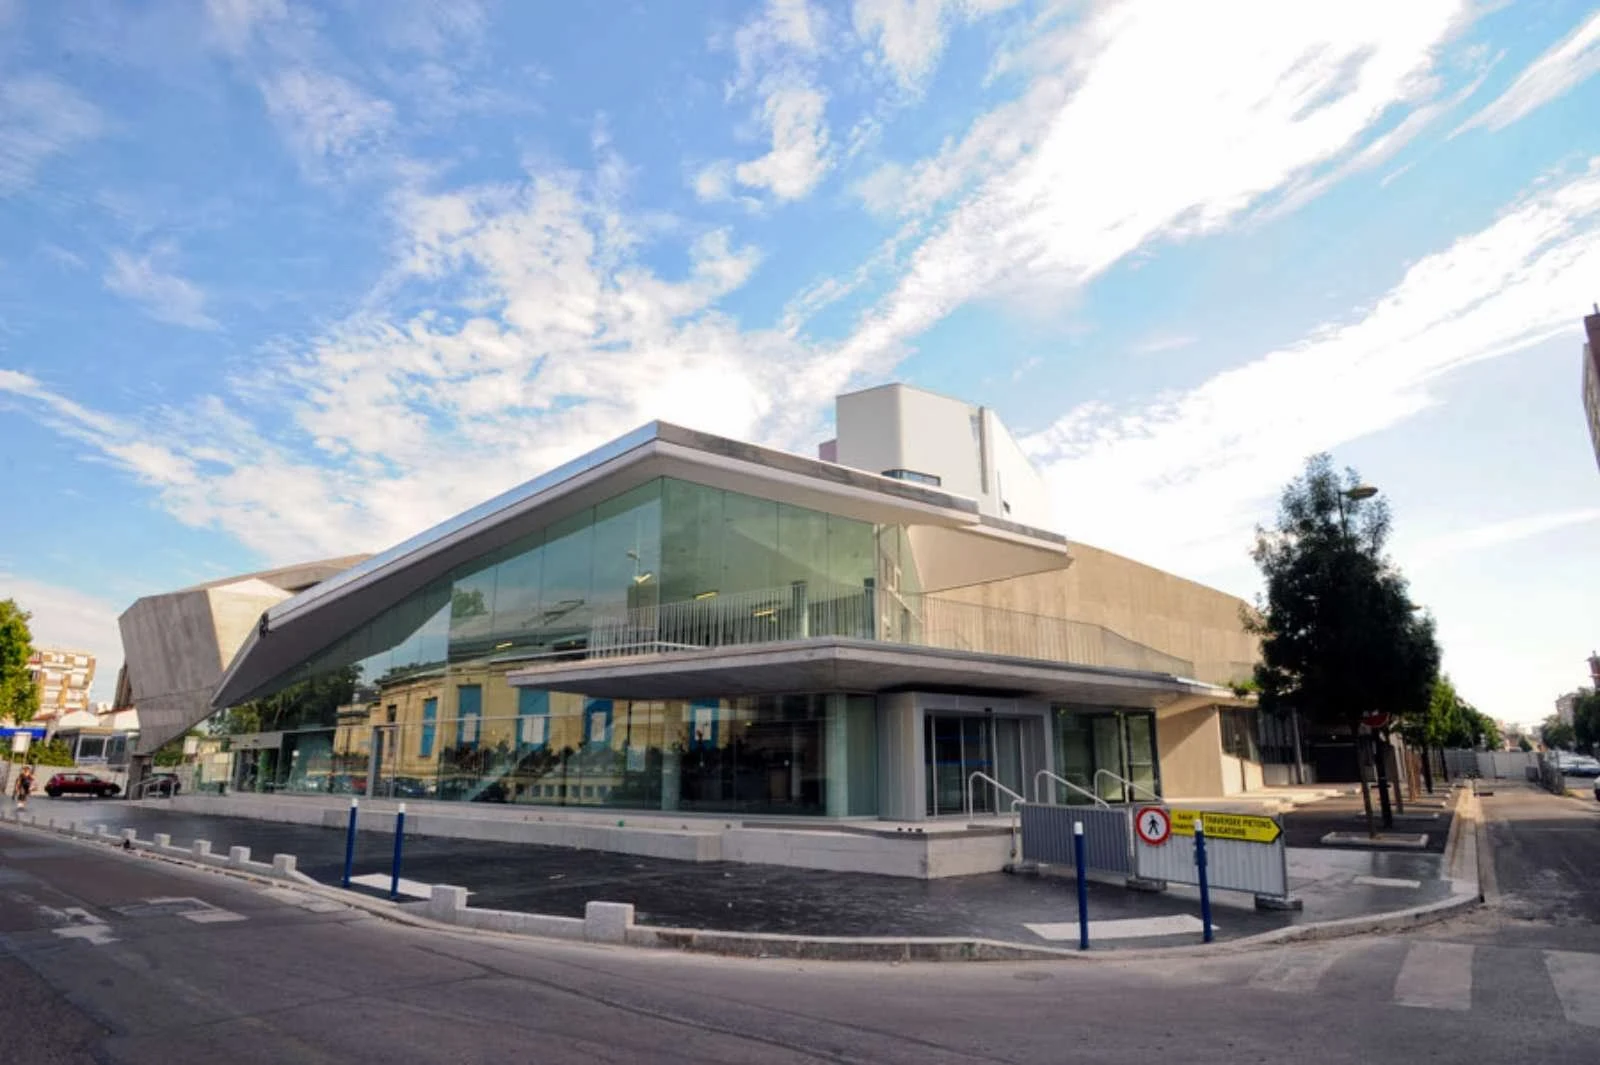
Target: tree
{"x": 1523, "y": 745}
{"x": 19, "y": 695}
{"x": 1557, "y": 734}
{"x": 1586, "y": 719}
{"x": 1340, "y": 637}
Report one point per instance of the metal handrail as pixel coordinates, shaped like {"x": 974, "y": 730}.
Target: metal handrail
{"x": 145, "y": 786}
{"x": 1125, "y": 782}
{"x": 1063, "y": 780}
{"x": 1016, "y": 801}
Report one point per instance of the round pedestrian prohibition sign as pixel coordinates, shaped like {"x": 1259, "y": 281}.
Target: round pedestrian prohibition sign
{"x": 1153, "y": 824}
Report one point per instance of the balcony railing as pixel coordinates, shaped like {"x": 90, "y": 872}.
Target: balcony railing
{"x": 801, "y": 611}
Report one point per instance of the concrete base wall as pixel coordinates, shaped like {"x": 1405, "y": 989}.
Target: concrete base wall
{"x": 918, "y": 855}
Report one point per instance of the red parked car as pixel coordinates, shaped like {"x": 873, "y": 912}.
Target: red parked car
{"x": 80, "y": 784}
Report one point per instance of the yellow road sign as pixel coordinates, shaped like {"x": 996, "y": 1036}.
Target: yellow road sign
{"x": 1247, "y": 827}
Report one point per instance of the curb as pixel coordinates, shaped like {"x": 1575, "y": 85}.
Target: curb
{"x": 608, "y": 923}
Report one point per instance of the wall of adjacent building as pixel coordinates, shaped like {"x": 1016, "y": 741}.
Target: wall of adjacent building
{"x": 1159, "y": 609}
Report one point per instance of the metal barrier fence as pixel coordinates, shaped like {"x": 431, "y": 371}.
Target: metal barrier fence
{"x": 1260, "y": 868}
{"x": 1107, "y": 835}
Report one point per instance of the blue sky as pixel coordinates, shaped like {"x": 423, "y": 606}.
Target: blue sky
{"x": 284, "y": 280}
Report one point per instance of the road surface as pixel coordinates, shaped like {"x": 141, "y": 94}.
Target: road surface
{"x": 113, "y": 958}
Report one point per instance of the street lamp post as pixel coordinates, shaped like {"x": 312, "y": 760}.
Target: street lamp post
{"x": 1356, "y": 494}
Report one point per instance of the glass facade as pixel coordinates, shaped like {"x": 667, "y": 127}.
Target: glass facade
{"x": 418, "y": 696}
{"x": 1100, "y": 748}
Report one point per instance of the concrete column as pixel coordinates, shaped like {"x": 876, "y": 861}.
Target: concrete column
{"x": 837, "y": 760}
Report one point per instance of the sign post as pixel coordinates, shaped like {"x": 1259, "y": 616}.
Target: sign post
{"x": 399, "y": 843}
{"x": 1083, "y": 885}
{"x": 1200, "y": 868}
{"x": 350, "y": 841}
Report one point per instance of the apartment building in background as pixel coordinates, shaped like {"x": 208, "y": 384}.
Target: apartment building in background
{"x": 64, "y": 678}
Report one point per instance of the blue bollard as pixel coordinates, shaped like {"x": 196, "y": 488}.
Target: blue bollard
{"x": 399, "y": 843}
{"x": 350, "y": 842}
{"x": 1083, "y": 885}
{"x": 1200, "y": 866}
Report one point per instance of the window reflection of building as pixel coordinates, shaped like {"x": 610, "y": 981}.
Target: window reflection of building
{"x": 431, "y": 714}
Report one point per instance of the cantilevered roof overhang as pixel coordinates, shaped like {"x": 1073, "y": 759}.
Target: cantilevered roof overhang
{"x": 971, "y": 547}
{"x": 846, "y": 665}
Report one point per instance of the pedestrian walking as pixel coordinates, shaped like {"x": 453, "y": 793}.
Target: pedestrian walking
{"x": 24, "y": 786}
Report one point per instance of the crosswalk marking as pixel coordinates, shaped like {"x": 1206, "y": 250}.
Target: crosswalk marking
{"x": 1436, "y": 976}
{"x": 1297, "y": 971}
{"x": 1129, "y": 928}
{"x": 1577, "y": 982}
{"x": 412, "y": 888}
{"x": 1387, "y": 881}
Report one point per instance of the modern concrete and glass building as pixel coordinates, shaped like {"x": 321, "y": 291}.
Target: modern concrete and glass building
{"x": 1591, "y": 378}
{"x": 680, "y": 622}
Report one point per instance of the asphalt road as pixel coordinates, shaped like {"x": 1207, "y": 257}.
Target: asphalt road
{"x": 119, "y": 958}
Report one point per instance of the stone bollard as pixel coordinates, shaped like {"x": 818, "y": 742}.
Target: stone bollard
{"x": 202, "y": 848}
{"x": 163, "y": 841}
{"x": 607, "y": 922}
{"x": 283, "y": 865}
{"x": 238, "y": 856}
{"x": 102, "y": 832}
{"x": 130, "y": 836}
{"x": 446, "y": 902}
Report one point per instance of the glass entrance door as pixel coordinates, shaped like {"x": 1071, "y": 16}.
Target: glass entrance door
{"x": 960, "y": 745}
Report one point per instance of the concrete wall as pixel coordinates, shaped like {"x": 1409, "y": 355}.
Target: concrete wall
{"x": 895, "y": 427}
{"x": 1189, "y": 744}
{"x": 1017, "y": 491}
{"x": 900, "y": 758}
{"x": 1177, "y": 616}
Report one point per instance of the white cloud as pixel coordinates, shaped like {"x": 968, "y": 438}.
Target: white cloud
{"x": 546, "y": 335}
{"x": 233, "y": 22}
{"x": 73, "y": 621}
{"x": 1553, "y": 74}
{"x": 1216, "y": 454}
{"x": 910, "y": 35}
{"x": 324, "y": 117}
{"x": 40, "y": 118}
{"x": 164, "y": 295}
{"x": 1098, "y": 158}
{"x": 1496, "y": 534}
{"x": 776, "y": 53}
{"x": 799, "y": 156}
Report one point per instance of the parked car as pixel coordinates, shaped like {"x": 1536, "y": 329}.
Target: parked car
{"x": 80, "y": 784}
{"x": 1578, "y": 765}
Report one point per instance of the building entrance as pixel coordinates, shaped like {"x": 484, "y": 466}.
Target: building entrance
{"x": 958, "y": 745}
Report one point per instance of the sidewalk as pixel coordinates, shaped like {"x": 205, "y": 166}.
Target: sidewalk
{"x": 1038, "y": 911}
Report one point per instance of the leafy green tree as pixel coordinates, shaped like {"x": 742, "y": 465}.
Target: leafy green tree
{"x": 19, "y": 695}
{"x": 1523, "y": 745}
{"x": 1340, "y": 637}
{"x": 52, "y": 752}
{"x": 312, "y": 701}
{"x": 1586, "y": 719}
{"x": 1488, "y": 732}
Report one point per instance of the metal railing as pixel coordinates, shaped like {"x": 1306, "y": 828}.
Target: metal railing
{"x": 1016, "y": 801}
{"x": 804, "y": 611}
{"x": 1085, "y": 792}
{"x": 1129, "y": 786}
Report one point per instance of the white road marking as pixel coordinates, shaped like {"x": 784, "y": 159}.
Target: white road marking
{"x": 411, "y": 888}
{"x": 1130, "y": 928}
{"x": 1577, "y": 982}
{"x": 1436, "y": 976}
{"x": 304, "y": 901}
{"x": 1387, "y": 881}
{"x": 1297, "y": 971}
{"x": 82, "y": 925}
{"x": 212, "y": 916}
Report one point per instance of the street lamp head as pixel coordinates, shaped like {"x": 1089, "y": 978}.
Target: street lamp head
{"x": 1361, "y": 491}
